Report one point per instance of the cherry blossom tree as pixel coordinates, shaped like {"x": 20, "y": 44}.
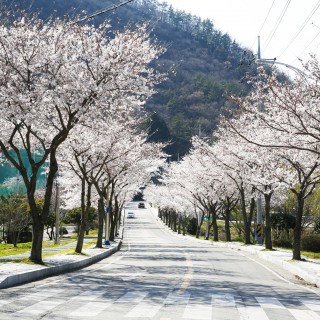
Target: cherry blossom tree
{"x": 288, "y": 124}
{"x": 55, "y": 76}
{"x": 107, "y": 157}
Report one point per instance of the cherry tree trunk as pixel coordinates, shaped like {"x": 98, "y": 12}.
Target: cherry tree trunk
{"x": 296, "y": 248}
{"x": 39, "y": 216}
{"x": 84, "y": 215}
{"x": 100, "y": 222}
{"x": 227, "y": 215}
{"x": 268, "y": 238}
{"x": 37, "y": 238}
{"x": 246, "y": 220}
{"x": 114, "y": 220}
{"x": 215, "y": 227}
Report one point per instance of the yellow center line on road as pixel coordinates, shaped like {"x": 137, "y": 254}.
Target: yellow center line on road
{"x": 188, "y": 276}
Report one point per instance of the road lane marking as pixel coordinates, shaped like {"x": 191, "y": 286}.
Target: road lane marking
{"x": 265, "y": 267}
{"x": 188, "y": 276}
{"x": 304, "y": 314}
{"x": 91, "y": 309}
{"x": 177, "y": 298}
{"x": 197, "y": 312}
{"x": 88, "y": 296}
{"x": 145, "y": 310}
{"x": 38, "y": 308}
{"x": 132, "y": 296}
{"x": 252, "y": 313}
{"x": 40, "y": 295}
{"x": 223, "y": 300}
{"x": 269, "y": 302}
{"x": 313, "y": 305}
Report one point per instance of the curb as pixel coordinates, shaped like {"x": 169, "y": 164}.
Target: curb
{"x": 39, "y": 274}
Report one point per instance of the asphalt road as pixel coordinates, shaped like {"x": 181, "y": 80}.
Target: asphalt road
{"x": 158, "y": 275}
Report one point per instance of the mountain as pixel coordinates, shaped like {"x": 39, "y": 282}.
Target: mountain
{"x": 208, "y": 65}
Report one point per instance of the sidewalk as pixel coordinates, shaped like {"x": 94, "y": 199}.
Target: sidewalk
{"x": 12, "y": 273}
{"x": 308, "y": 270}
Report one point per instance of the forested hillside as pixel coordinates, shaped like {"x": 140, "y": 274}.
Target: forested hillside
{"x": 204, "y": 64}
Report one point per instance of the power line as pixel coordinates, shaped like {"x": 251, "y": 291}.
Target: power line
{"x": 313, "y": 11}
{"x": 264, "y": 22}
{"x": 102, "y": 11}
{"x": 267, "y": 16}
{"x": 277, "y": 24}
{"x": 310, "y": 43}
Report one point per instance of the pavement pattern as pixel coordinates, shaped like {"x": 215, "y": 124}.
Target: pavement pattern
{"x": 137, "y": 296}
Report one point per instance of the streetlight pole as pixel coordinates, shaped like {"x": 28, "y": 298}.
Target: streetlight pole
{"x": 259, "y": 199}
{"x": 273, "y": 61}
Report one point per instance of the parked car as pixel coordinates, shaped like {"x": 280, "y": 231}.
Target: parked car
{"x": 141, "y": 205}
{"x": 130, "y": 215}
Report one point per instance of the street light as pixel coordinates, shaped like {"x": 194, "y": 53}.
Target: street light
{"x": 273, "y": 61}
{"x": 304, "y": 76}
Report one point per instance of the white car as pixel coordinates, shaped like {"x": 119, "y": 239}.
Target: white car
{"x": 130, "y": 215}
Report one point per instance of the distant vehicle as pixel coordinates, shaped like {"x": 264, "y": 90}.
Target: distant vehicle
{"x": 130, "y": 215}
{"x": 141, "y": 205}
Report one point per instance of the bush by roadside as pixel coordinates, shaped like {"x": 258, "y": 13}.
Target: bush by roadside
{"x": 311, "y": 242}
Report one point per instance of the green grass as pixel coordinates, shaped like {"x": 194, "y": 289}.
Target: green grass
{"x": 10, "y": 250}
{"x": 92, "y": 233}
{"x": 311, "y": 255}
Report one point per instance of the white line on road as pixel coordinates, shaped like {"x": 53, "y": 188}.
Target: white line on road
{"x": 197, "y": 312}
{"x": 304, "y": 314}
{"x": 39, "y": 308}
{"x": 223, "y": 300}
{"x": 252, "y": 313}
{"x": 177, "y": 298}
{"x": 132, "y": 297}
{"x": 91, "y": 309}
{"x": 268, "y": 302}
{"x": 145, "y": 310}
{"x": 265, "y": 267}
{"x": 40, "y": 295}
{"x": 88, "y": 296}
{"x": 311, "y": 304}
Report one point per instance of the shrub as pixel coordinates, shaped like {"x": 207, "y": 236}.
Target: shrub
{"x": 311, "y": 242}
{"x": 282, "y": 222}
{"x": 192, "y": 226}
{"x": 282, "y": 243}
{"x": 316, "y": 225}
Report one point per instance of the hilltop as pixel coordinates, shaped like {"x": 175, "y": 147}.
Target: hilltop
{"x": 204, "y": 64}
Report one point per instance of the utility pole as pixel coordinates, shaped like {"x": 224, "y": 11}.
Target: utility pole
{"x": 259, "y": 199}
